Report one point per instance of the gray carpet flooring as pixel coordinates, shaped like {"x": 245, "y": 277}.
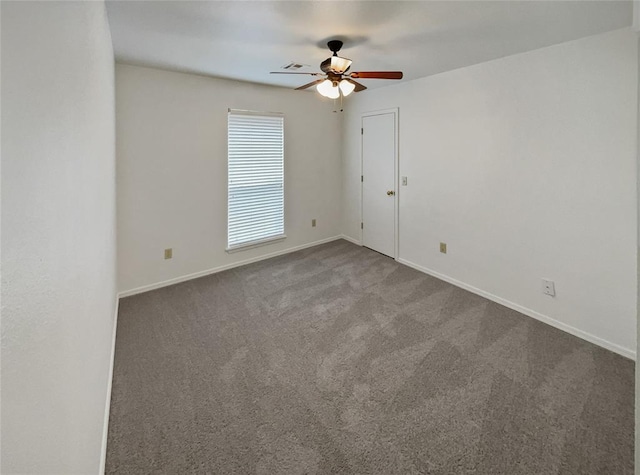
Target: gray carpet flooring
{"x": 336, "y": 359}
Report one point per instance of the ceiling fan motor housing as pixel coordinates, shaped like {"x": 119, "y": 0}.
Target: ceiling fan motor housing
{"x": 335, "y": 63}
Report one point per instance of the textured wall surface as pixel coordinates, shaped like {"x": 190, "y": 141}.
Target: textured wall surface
{"x": 58, "y": 234}
{"x": 172, "y": 171}
{"x": 526, "y": 167}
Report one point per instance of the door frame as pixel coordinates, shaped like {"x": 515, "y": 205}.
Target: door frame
{"x": 396, "y": 179}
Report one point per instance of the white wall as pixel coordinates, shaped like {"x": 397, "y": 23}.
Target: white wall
{"x": 525, "y": 166}
{"x": 58, "y": 234}
{"x": 172, "y": 165}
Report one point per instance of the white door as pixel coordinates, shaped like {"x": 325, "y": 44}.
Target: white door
{"x": 378, "y": 182}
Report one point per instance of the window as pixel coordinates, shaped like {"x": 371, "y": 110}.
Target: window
{"x": 256, "y": 178}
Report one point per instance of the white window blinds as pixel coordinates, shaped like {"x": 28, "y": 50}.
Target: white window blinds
{"x": 256, "y": 178}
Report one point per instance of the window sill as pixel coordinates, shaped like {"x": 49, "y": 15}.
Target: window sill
{"x": 252, "y": 244}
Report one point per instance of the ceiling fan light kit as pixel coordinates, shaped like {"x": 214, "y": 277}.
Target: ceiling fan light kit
{"x": 327, "y": 88}
{"x": 337, "y": 81}
{"x": 333, "y": 89}
{"x": 346, "y": 87}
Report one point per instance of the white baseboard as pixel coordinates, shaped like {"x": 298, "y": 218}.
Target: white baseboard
{"x": 627, "y": 353}
{"x": 350, "y": 239}
{"x": 105, "y": 430}
{"x": 195, "y": 275}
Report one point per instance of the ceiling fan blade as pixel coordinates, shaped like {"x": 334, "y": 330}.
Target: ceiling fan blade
{"x": 359, "y": 87}
{"x": 377, "y": 75}
{"x": 283, "y": 72}
{"x": 312, "y": 83}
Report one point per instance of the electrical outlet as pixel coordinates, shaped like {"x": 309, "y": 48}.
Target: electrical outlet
{"x": 548, "y": 287}
{"x": 168, "y": 253}
{"x": 313, "y": 223}
{"x": 443, "y": 247}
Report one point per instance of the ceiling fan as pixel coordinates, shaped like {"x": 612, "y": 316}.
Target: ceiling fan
{"x": 335, "y": 80}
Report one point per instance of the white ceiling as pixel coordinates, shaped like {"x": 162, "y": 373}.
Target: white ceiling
{"x": 244, "y": 40}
